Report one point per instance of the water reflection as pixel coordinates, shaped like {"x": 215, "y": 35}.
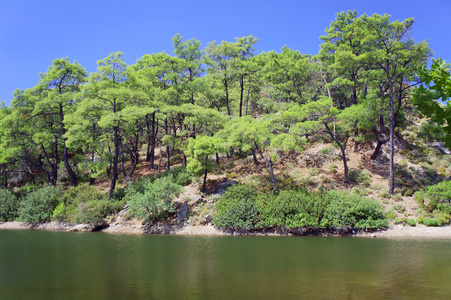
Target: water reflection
{"x": 46, "y": 265}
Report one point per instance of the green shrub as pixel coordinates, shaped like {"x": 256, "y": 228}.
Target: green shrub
{"x": 359, "y": 176}
{"x": 400, "y": 220}
{"x": 237, "y": 207}
{"x": 399, "y": 208}
{"x": 179, "y": 175}
{"x": 232, "y": 175}
{"x": 404, "y": 163}
{"x": 443, "y": 217}
{"x": 60, "y": 213}
{"x": 396, "y": 197}
{"x": 350, "y": 210}
{"x": 333, "y": 168}
{"x": 38, "y": 206}
{"x": 384, "y": 194}
{"x": 156, "y": 201}
{"x": 240, "y": 214}
{"x": 361, "y": 191}
{"x": 411, "y": 222}
{"x": 95, "y": 210}
{"x": 439, "y": 193}
{"x": 313, "y": 171}
{"x": 8, "y": 206}
{"x": 377, "y": 186}
{"x": 408, "y": 192}
{"x": 432, "y": 222}
{"x": 421, "y": 219}
{"x": 391, "y": 213}
{"x": 294, "y": 208}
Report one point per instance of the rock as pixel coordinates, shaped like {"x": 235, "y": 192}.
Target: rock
{"x": 196, "y": 200}
{"x": 88, "y": 227}
{"x": 440, "y": 146}
{"x": 208, "y": 218}
{"x": 224, "y": 186}
{"x": 182, "y": 213}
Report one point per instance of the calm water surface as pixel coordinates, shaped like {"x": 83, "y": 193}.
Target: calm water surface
{"x": 56, "y": 265}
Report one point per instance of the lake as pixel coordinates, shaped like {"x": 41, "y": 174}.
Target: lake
{"x": 60, "y": 265}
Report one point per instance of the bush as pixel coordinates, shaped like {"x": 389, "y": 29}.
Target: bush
{"x": 432, "y": 222}
{"x": 353, "y": 211}
{"x": 95, "y": 210}
{"x": 399, "y": 208}
{"x": 242, "y": 206}
{"x": 435, "y": 194}
{"x": 38, "y": 206}
{"x": 86, "y": 204}
{"x": 179, "y": 175}
{"x": 237, "y": 207}
{"x": 443, "y": 218}
{"x": 155, "y": 202}
{"x": 391, "y": 213}
{"x": 411, "y": 222}
{"x": 359, "y": 176}
{"x": 400, "y": 220}
{"x": 333, "y": 168}
{"x": 313, "y": 171}
{"x": 8, "y": 206}
{"x": 292, "y": 209}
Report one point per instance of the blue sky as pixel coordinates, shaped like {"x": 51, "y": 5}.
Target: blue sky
{"x": 33, "y": 33}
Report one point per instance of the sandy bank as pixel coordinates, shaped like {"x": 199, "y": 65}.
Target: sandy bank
{"x": 397, "y": 231}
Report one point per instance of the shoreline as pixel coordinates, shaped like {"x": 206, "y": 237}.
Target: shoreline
{"x": 396, "y": 231}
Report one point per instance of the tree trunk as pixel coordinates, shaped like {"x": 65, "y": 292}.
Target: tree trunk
{"x": 241, "y": 94}
{"x": 227, "y": 97}
{"x": 269, "y": 163}
{"x": 204, "y": 185}
{"x": 255, "y": 157}
{"x": 65, "y": 154}
{"x": 168, "y": 153}
{"x": 115, "y": 160}
{"x": 356, "y": 134}
{"x": 392, "y": 133}
{"x": 343, "y": 153}
{"x": 123, "y": 160}
{"x": 152, "y": 144}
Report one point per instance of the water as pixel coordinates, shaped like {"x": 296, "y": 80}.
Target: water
{"x": 56, "y": 265}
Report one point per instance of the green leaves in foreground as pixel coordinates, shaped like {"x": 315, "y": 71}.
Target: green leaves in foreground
{"x": 243, "y": 207}
{"x": 38, "y": 205}
{"x": 155, "y": 202}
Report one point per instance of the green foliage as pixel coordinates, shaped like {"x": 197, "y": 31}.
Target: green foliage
{"x": 431, "y": 222}
{"x": 94, "y": 211}
{"x": 155, "y": 202}
{"x": 85, "y": 204}
{"x": 242, "y": 206}
{"x": 391, "y": 213}
{"x": 313, "y": 171}
{"x": 333, "y": 168}
{"x": 8, "y": 206}
{"x": 38, "y": 205}
{"x": 411, "y": 222}
{"x": 435, "y": 195}
{"x": 400, "y": 220}
{"x": 396, "y": 197}
{"x": 438, "y": 77}
{"x": 443, "y": 217}
{"x": 350, "y": 210}
{"x": 180, "y": 175}
{"x": 359, "y": 176}
{"x": 399, "y": 208}
{"x": 293, "y": 209}
{"x": 237, "y": 207}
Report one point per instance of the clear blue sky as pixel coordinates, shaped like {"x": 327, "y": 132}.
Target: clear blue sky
{"x": 33, "y": 33}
